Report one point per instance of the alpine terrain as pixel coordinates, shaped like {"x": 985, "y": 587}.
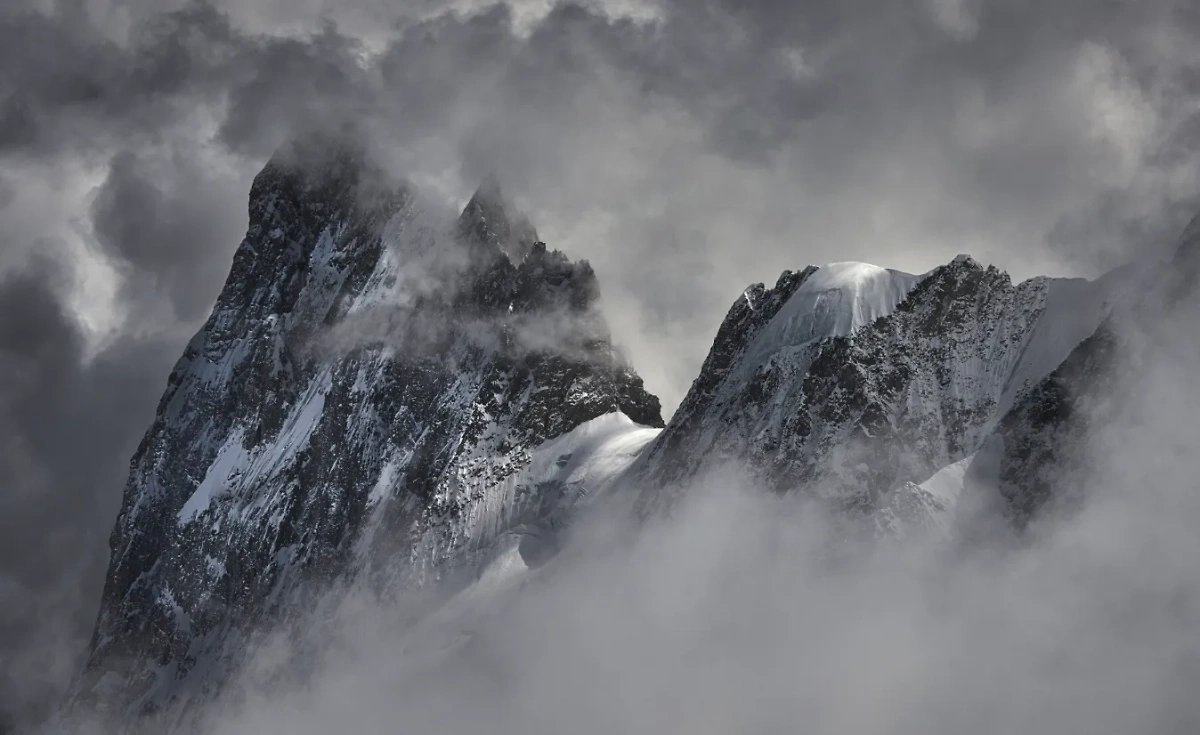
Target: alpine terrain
{"x": 386, "y": 398}
{"x": 855, "y": 383}
{"x": 360, "y": 404}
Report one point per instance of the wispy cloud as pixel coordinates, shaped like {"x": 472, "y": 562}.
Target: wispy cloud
{"x": 684, "y": 149}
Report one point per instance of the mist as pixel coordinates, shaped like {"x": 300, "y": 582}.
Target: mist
{"x": 686, "y": 150}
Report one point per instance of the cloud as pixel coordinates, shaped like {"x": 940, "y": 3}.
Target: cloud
{"x": 685, "y": 149}
{"x": 67, "y": 427}
{"x": 152, "y": 215}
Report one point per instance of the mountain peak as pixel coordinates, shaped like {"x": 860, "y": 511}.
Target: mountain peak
{"x": 318, "y": 428}
{"x": 324, "y": 174}
{"x": 489, "y": 219}
{"x": 489, "y": 188}
{"x": 330, "y": 155}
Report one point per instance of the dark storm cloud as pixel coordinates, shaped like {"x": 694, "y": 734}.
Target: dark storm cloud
{"x": 67, "y": 86}
{"x": 66, "y": 430}
{"x": 685, "y": 148}
{"x": 153, "y": 216}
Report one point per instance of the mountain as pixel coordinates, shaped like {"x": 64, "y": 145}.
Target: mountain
{"x": 852, "y": 383}
{"x": 359, "y": 407}
{"x": 391, "y": 398}
{"x": 890, "y": 396}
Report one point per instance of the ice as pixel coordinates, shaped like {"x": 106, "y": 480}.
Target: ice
{"x": 836, "y": 300}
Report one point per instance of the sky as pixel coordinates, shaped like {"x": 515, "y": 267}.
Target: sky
{"x": 686, "y": 148}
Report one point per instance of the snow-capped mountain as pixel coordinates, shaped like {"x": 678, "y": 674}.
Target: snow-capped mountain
{"x": 388, "y": 396}
{"x": 851, "y": 381}
{"x": 363, "y": 403}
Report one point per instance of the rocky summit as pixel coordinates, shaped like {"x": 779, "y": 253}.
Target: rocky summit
{"x": 359, "y": 405}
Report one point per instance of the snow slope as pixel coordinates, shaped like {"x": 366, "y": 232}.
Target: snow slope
{"x": 834, "y": 301}
{"x": 572, "y": 472}
{"x": 592, "y": 456}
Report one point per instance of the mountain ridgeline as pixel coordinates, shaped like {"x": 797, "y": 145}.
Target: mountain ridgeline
{"x": 385, "y": 398}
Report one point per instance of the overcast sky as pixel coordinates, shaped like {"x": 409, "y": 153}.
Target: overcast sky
{"x": 685, "y": 147}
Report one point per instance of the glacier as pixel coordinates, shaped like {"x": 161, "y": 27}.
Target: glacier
{"x": 836, "y": 300}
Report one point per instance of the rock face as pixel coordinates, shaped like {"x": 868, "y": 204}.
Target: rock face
{"x": 1038, "y": 453}
{"x": 877, "y": 380}
{"x": 1038, "y": 443}
{"x": 361, "y": 402}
